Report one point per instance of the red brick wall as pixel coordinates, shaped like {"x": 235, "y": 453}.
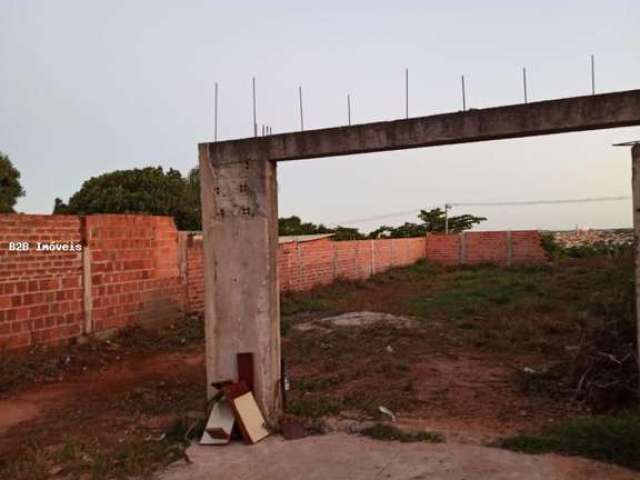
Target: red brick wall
{"x": 135, "y": 274}
{"x": 443, "y": 249}
{"x": 304, "y": 265}
{"x": 131, "y": 265}
{"x": 141, "y": 270}
{"x": 502, "y": 248}
{"x": 40, "y": 291}
{"x": 194, "y": 272}
{"x": 486, "y": 247}
{"x": 526, "y": 247}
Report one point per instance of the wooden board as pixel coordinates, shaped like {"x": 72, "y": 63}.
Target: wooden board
{"x": 220, "y": 421}
{"x": 249, "y": 417}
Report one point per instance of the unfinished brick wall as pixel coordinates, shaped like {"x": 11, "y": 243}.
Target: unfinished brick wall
{"x": 135, "y": 276}
{"x": 137, "y": 269}
{"x": 501, "y": 248}
{"x": 193, "y": 266}
{"x": 106, "y": 272}
{"x": 443, "y": 249}
{"x": 40, "y": 291}
{"x": 526, "y": 247}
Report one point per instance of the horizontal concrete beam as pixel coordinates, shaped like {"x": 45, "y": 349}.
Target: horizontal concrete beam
{"x": 593, "y": 112}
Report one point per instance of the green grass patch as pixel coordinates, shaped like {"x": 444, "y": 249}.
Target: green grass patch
{"x": 385, "y": 432}
{"x": 478, "y": 290}
{"x": 614, "y": 439}
{"x": 313, "y": 407}
{"x": 132, "y": 458}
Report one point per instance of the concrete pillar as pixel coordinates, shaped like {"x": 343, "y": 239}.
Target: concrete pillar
{"x": 372, "y": 269}
{"x": 240, "y": 228}
{"x": 463, "y": 249}
{"x": 87, "y": 293}
{"x": 635, "y": 185}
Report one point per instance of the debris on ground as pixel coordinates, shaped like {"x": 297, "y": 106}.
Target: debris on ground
{"x": 381, "y": 431}
{"x": 359, "y": 319}
{"x": 602, "y": 372}
{"x": 293, "y": 430}
{"x": 387, "y": 412}
{"x": 235, "y": 406}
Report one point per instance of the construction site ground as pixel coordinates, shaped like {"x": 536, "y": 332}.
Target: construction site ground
{"x": 450, "y": 365}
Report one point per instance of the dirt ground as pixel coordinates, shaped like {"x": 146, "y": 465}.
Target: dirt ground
{"x": 111, "y": 410}
{"x": 127, "y": 407}
{"x": 421, "y": 374}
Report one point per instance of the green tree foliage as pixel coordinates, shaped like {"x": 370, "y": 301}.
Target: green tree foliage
{"x": 293, "y": 225}
{"x": 346, "y": 233}
{"x": 433, "y": 221}
{"x": 149, "y": 190}
{"x": 10, "y": 187}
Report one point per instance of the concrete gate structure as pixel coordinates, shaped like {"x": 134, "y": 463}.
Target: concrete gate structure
{"x": 240, "y": 212}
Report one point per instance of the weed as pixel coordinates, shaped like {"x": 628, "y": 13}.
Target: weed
{"x": 313, "y": 406}
{"x": 381, "y": 431}
{"x": 614, "y": 439}
{"x": 32, "y": 464}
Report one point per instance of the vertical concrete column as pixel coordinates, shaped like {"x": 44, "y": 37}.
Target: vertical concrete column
{"x": 240, "y": 228}
{"x": 183, "y": 244}
{"x": 372, "y": 246}
{"x": 299, "y": 264}
{"x": 463, "y": 249}
{"x": 392, "y": 263}
{"x": 635, "y": 185}
{"x": 87, "y": 287}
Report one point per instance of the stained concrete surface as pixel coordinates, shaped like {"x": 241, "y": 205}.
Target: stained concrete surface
{"x": 342, "y": 456}
{"x": 359, "y": 319}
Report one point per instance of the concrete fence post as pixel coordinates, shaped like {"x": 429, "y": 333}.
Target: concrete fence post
{"x": 299, "y": 263}
{"x": 635, "y": 186}
{"x": 87, "y": 294}
{"x": 183, "y": 243}
{"x": 407, "y": 252}
{"x": 426, "y": 246}
{"x": 335, "y": 260}
{"x": 509, "y": 248}
{"x": 392, "y": 262}
{"x": 87, "y": 284}
{"x": 372, "y": 257}
{"x": 463, "y": 248}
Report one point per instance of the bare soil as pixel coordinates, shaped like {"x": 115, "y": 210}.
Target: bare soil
{"x": 124, "y": 408}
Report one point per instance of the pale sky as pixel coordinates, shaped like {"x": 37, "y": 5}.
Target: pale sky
{"x": 88, "y": 87}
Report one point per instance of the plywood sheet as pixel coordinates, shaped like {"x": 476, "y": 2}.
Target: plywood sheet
{"x": 249, "y": 417}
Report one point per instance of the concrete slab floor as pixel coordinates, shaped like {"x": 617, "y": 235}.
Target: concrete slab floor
{"x": 342, "y": 456}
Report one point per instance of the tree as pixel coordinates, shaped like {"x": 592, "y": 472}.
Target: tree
{"x": 148, "y": 190}
{"x": 346, "y": 233}
{"x": 293, "y": 226}
{"x": 10, "y": 187}
{"x": 434, "y": 221}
